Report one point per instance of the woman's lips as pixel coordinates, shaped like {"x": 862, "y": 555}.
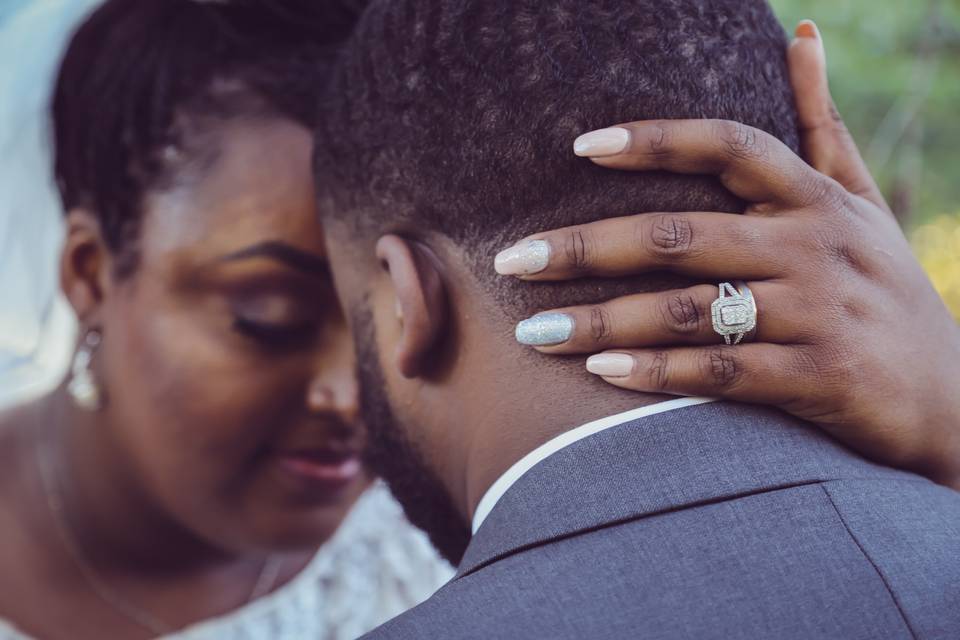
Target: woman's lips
{"x": 330, "y": 468}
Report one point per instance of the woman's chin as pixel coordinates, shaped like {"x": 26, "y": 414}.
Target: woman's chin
{"x": 305, "y": 519}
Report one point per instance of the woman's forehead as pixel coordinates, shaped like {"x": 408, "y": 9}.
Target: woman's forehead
{"x": 259, "y": 188}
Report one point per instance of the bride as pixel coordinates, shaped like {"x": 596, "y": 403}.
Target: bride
{"x": 206, "y": 444}
{"x": 199, "y": 472}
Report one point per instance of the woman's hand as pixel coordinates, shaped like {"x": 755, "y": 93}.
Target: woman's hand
{"x": 850, "y": 335}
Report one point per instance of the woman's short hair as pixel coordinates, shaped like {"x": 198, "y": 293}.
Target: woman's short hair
{"x": 142, "y": 80}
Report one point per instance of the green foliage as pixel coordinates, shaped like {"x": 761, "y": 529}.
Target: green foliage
{"x": 895, "y": 75}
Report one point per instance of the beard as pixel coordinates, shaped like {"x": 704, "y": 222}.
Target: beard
{"x": 391, "y": 455}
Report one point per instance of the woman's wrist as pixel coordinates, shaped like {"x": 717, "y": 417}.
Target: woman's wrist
{"x": 952, "y": 419}
{"x": 945, "y": 468}
{"x": 952, "y": 427}
{"x": 944, "y": 416}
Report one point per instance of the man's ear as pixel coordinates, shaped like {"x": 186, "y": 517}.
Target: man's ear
{"x": 84, "y": 266}
{"x": 420, "y": 299}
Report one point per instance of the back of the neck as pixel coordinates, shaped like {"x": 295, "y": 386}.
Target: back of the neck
{"x": 536, "y": 398}
{"x": 507, "y": 398}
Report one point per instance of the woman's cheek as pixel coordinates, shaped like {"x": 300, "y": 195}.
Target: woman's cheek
{"x": 198, "y": 390}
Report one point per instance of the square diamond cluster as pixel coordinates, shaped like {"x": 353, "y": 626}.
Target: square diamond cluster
{"x": 732, "y": 315}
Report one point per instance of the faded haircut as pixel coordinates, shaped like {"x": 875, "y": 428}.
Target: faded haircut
{"x": 457, "y": 117}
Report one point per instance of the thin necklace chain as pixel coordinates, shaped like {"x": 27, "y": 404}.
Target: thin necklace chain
{"x": 266, "y": 579}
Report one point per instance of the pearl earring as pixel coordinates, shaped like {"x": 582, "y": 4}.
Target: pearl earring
{"x": 83, "y": 388}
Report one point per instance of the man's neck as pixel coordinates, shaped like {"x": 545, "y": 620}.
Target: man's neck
{"x": 512, "y": 404}
{"x": 507, "y": 398}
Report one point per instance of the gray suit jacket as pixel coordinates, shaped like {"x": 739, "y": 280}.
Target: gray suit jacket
{"x": 715, "y": 521}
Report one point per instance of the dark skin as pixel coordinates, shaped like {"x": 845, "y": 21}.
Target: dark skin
{"x": 227, "y": 370}
{"x": 904, "y": 416}
{"x": 455, "y": 377}
{"x": 186, "y": 566}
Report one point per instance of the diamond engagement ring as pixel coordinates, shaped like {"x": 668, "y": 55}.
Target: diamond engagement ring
{"x": 734, "y": 312}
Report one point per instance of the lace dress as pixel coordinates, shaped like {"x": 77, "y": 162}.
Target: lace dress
{"x": 375, "y": 567}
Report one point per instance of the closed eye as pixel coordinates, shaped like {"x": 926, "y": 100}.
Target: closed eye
{"x": 275, "y": 336}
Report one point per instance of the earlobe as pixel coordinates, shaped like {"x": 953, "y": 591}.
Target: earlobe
{"x": 84, "y": 265}
{"x": 420, "y": 300}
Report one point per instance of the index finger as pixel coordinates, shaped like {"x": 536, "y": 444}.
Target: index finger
{"x": 751, "y": 163}
{"x": 701, "y": 244}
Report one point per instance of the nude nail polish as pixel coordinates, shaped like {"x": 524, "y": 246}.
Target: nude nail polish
{"x": 545, "y": 329}
{"x": 604, "y": 142}
{"x": 610, "y": 365}
{"x": 524, "y": 258}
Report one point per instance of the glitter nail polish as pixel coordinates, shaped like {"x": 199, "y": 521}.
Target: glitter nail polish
{"x": 524, "y": 258}
{"x": 545, "y": 329}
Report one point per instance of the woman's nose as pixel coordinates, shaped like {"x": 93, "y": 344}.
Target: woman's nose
{"x": 340, "y": 396}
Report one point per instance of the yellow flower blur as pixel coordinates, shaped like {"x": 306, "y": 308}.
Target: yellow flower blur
{"x": 937, "y": 245}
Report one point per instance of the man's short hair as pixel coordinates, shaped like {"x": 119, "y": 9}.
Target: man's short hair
{"x": 458, "y": 116}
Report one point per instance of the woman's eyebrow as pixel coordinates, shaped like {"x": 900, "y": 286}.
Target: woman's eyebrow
{"x": 285, "y": 253}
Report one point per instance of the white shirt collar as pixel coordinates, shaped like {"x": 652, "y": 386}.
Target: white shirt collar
{"x": 544, "y": 451}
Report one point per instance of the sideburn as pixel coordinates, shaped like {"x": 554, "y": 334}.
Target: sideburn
{"x": 391, "y": 455}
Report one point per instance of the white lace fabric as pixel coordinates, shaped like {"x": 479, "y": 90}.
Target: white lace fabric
{"x": 376, "y": 567}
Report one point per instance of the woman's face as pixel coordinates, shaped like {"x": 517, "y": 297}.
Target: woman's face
{"x": 226, "y": 360}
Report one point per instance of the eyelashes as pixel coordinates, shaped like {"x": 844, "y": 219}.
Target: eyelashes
{"x": 275, "y": 336}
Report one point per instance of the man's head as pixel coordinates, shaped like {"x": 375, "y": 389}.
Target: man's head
{"x": 448, "y": 136}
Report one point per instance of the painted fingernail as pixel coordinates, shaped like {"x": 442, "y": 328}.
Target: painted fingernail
{"x": 610, "y": 365}
{"x": 603, "y": 142}
{"x": 545, "y": 329}
{"x": 807, "y": 29}
{"x": 525, "y": 258}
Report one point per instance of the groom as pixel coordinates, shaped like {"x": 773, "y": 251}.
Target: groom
{"x": 577, "y": 510}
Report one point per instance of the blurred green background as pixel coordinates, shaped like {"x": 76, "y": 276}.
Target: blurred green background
{"x": 895, "y": 75}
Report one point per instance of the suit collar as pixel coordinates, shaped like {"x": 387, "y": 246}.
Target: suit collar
{"x": 656, "y": 464}
{"x": 565, "y": 439}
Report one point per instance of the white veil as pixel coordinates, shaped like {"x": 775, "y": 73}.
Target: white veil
{"x": 37, "y": 328}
